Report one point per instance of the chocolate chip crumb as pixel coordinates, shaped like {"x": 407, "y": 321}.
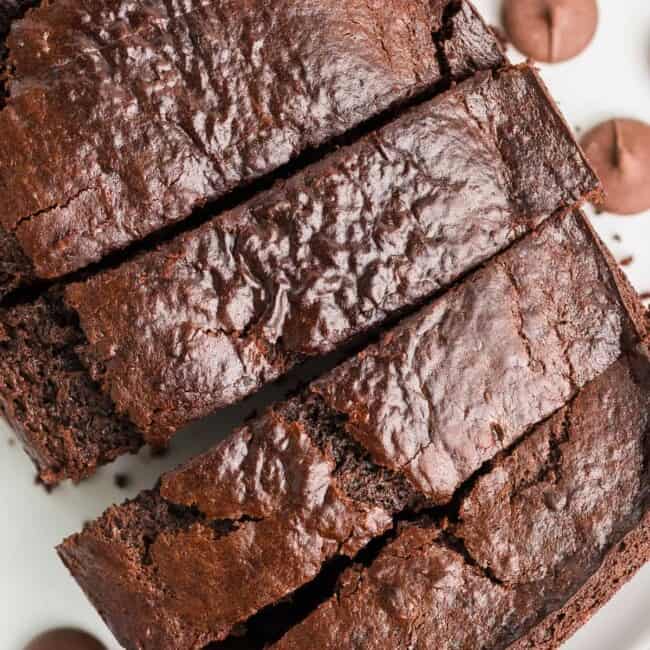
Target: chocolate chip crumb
{"x": 122, "y": 481}
{"x": 48, "y": 488}
{"x": 159, "y": 452}
{"x": 617, "y": 238}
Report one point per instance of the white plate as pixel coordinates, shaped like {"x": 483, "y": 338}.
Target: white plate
{"x": 611, "y": 78}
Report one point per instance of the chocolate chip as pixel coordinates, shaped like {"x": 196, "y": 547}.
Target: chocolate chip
{"x": 619, "y": 150}
{"x": 550, "y": 30}
{"x": 122, "y": 481}
{"x": 65, "y": 639}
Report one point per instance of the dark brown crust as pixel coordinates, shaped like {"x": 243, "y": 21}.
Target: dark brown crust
{"x": 340, "y": 248}
{"x": 63, "y": 444}
{"x": 639, "y": 315}
{"x": 552, "y": 529}
{"x": 619, "y": 566}
{"x": 182, "y": 123}
{"x": 374, "y": 228}
{"x": 15, "y": 267}
{"x": 280, "y": 501}
{"x": 292, "y": 481}
{"x": 549, "y": 333}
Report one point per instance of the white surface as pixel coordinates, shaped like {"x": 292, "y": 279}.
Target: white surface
{"x": 612, "y": 78}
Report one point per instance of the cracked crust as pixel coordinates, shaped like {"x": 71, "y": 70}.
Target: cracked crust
{"x": 15, "y": 267}
{"x": 539, "y": 542}
{"x": 375, "y": 228}
{"x": 311, "y": 489}
{"x": 417, "y": 594}
{"x": 184, "y": 105}
{"x": 285, "y": 505}
{"x": 338, "y": 249}
{"x": 449, "y": 388}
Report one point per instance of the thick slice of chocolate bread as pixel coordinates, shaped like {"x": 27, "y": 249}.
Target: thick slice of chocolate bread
{"x": 375, "y": 228}
{"x": 254, "y": 519}
{"x": 539, "y": 542}
{"x": 123, "y": 117}
{"x": 302, "y": 489}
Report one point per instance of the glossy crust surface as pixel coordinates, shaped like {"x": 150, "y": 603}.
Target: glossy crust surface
{"x": 296, "y": 490}
{"x": 417, "y": 594}
{"x": 447, "y": 389}
{"x": 374, "y": 228}
{"x": 543, "y": 539}
{"x": 123, "y": 117}
{"x": 255, "y": 519}
{"x": 64, "y": 437}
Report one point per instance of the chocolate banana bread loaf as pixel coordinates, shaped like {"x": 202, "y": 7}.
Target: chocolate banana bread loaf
{"x": 375, "y": 228}
{"x": 400, "y": 428}
{"x": 125, "y": 116}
